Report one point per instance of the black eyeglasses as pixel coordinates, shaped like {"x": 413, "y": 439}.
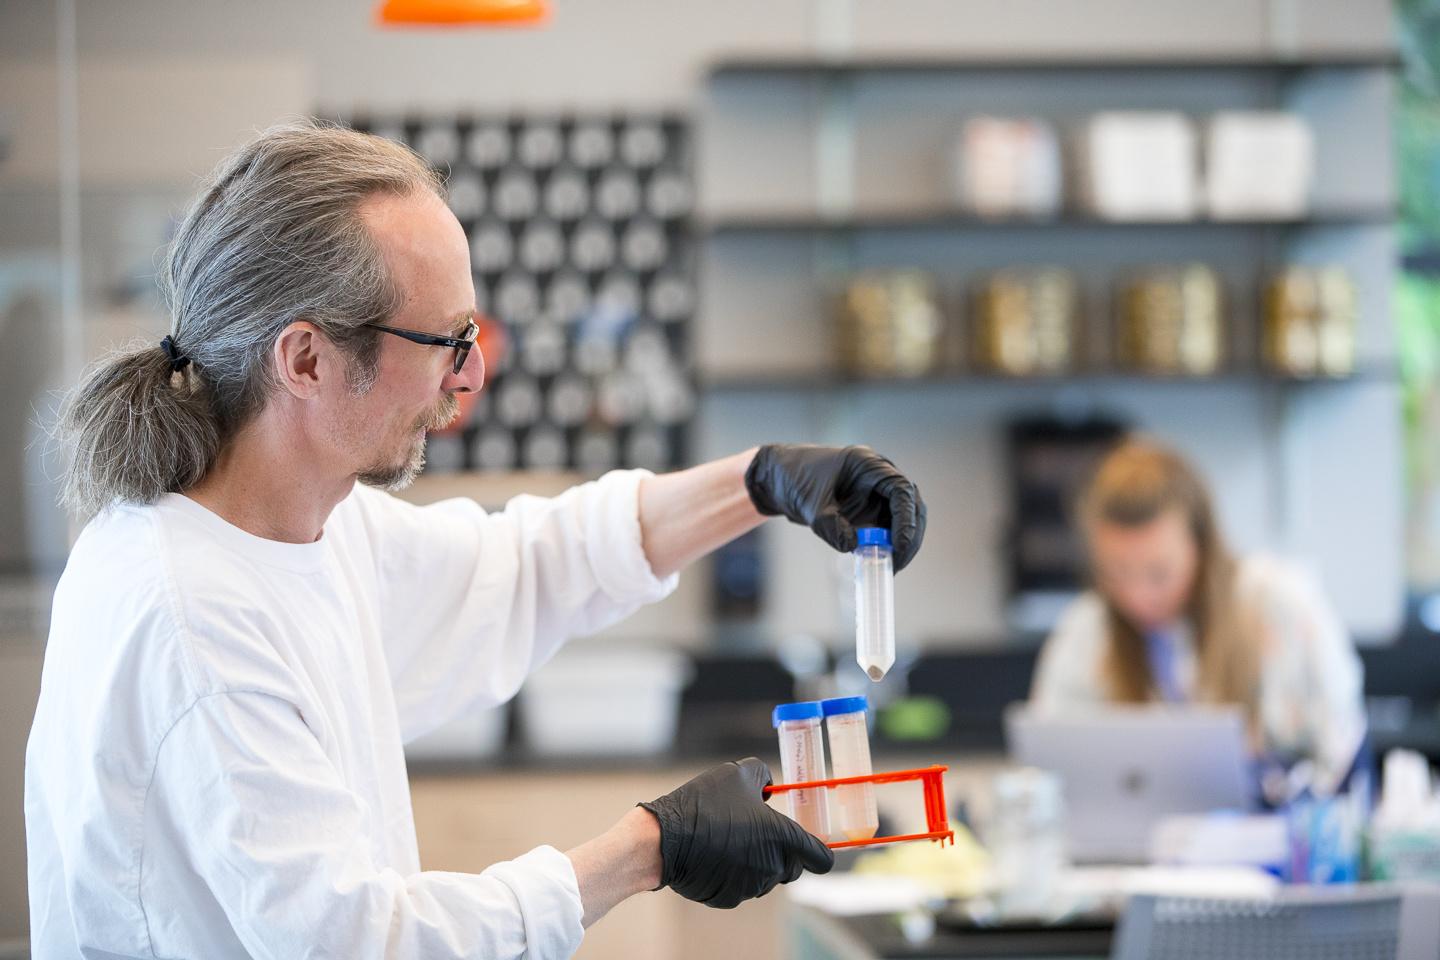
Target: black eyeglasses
{"x": 461, "y": 344}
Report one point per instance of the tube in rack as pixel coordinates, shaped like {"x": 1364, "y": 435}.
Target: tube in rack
{"x": 802, "y": 758}
{"x": 856, "y": 816}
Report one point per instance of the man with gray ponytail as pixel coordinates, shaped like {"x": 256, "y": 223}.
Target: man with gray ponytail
{"x": 245, "y": 636}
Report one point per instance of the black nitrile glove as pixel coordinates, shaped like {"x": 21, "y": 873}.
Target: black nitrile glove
{"x": 720, "y": 845}
{"x": 833, "y": 490}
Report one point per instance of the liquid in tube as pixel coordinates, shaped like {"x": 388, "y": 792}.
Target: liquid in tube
{"x": 855, "y": 815}
{"x": 874, "y": 602}
{"x": 802, "y": 758}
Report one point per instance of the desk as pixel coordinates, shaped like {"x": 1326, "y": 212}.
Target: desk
{"x": 831, "y": 918}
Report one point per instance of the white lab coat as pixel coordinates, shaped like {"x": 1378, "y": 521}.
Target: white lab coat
{"x": 1311, "y": 701}
{"x": 215, "y": 768}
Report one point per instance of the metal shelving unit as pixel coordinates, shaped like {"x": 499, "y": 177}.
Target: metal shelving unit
{"x": 814, "y": 168}
{"x": 823, "y": 100}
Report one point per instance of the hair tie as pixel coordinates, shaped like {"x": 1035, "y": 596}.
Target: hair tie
{"x": 178, "y": 361}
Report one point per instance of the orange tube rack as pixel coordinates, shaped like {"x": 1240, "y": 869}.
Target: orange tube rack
{"x": 930, "y": 780}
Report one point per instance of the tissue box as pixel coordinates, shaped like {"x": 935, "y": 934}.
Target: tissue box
{"x": 1258, "y": 165}
{"x": 1139, "y": 166}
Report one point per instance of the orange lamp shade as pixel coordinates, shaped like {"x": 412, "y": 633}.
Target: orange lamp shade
{"x": 459, "y": 13}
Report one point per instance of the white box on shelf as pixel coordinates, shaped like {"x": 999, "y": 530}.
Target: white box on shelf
{"x": 1139, "y": 166}
{"x": 1258, "y": 164}
{"x": 1008, "y": 167}
{"x": 594, "y": 700}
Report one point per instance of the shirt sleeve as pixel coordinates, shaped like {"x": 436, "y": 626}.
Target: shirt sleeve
{"x": 1069, "y": 670}
{"x": 247, "y": 810}
{"x": 472, "y": 602}
{"x": 1311, "y": 677}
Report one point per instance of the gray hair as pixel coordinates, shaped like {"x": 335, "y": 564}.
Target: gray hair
{"x": 275, "y": 237}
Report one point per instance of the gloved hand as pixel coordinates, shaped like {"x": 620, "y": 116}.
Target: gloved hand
{"x": 721, "y": 845}
{"x": 833, "y": 490}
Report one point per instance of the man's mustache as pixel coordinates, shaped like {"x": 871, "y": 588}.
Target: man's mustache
{"x": 442, "y": 415}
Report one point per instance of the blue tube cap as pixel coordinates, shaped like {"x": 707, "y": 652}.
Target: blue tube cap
{"x": 872, "y": 537}
{"x": 844, "y": 705}
{"x": 804, "y": 710}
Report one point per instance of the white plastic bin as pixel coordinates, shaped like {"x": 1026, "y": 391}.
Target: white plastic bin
{"x": 476, "y": 736}
{"x": 604, "y": 701}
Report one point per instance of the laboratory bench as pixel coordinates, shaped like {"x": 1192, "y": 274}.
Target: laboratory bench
{"x": 474, "y": 812}
{"x": 815, "y": 935}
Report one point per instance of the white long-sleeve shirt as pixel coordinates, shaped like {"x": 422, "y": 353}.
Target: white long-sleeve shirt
{"x": 1311, "y": 701}
{"x": 215, "y": 768}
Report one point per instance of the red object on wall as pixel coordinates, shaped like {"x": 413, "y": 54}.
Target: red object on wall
{"x": 492, "y": 342}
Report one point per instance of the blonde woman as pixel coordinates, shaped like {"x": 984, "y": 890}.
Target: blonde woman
{"x": 1173, "y": 616}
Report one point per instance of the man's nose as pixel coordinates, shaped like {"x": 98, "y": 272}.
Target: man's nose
{"x": 471, "y": 376}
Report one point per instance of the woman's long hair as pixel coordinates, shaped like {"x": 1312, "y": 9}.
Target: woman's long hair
{"x": 1135, "y": 484}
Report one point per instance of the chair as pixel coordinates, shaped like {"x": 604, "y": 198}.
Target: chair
{"x": 1366, "y": 922}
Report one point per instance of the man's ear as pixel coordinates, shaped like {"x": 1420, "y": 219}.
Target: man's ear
{"x": 303, "y": 358}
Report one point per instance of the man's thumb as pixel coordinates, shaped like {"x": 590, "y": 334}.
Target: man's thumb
{"x": 834, "y": 529}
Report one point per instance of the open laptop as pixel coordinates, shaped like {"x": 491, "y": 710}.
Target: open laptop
{"x": 1126, "y": 768}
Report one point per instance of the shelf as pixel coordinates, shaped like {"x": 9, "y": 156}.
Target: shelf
{"x": 811, "y": 221}
{"x": 810, "y": 63}
{"x": 490, "y": 489}
{"x": 836, "y": 380}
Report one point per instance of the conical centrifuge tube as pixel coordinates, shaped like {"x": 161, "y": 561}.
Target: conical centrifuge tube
{"x": 874, "y": 602}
